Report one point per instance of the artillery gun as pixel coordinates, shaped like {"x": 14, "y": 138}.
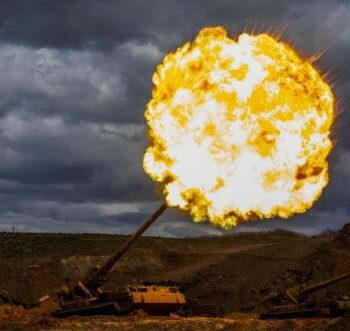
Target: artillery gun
{"x": 88, "y": 298}
{"x": 295, "y": 302}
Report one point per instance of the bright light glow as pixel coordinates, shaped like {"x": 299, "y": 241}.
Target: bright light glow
{"x": 239, "y": 130}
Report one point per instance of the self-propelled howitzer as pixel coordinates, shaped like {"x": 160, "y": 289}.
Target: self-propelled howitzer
{"x": 301, "y": 292}
{"x": 88, "y": 298}
{"x": 295, "y": 302}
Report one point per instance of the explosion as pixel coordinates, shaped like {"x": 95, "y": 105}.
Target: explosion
{"x": 239, "y": 130}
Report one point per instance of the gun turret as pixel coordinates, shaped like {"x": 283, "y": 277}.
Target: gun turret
{"x": 294, "y": 302}
{"x": 301, "y": 292}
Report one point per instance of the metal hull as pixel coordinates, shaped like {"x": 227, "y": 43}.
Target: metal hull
{"x": 113, "y": 308}
{"x": 110, "y": 308}
{"x": 302, "y": 313}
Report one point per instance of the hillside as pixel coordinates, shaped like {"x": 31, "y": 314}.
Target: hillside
{"x": 234, "y": 272}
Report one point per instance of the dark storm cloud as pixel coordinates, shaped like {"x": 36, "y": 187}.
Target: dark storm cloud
{"x": 75, "y": 78}
{"x": 98, "y": 161}
{"x": 86, "y": 23}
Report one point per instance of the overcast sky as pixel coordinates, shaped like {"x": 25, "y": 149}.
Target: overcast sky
{"x": 74, "y": 80}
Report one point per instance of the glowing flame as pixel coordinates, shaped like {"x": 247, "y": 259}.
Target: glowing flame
{"x": 239, "y": 129}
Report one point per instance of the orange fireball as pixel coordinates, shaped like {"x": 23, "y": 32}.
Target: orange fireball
{"x": 239, "y": 130}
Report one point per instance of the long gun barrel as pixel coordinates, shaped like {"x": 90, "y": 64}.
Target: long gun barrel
{"x": 299, "y": 293}
{"x": 319, "y": 286}
{"x": 93, "y": 283}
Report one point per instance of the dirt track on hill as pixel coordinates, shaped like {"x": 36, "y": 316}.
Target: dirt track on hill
{"x": 208, "y": 259}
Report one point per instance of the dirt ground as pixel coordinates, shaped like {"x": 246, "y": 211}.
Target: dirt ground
{"x": 16, "y": 318}
{"x": 234, "y": 273}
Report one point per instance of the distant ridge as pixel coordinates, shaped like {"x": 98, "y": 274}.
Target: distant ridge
{"x": 344, "y": 235}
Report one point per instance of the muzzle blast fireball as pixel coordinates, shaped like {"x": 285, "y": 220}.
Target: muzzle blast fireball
{"x": 239, "y": 129}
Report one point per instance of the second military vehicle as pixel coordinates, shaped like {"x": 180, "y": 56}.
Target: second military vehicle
{"x": 295, "y": 302}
